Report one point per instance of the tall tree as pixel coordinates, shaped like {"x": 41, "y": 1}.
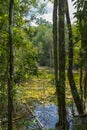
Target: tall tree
{"x": 10, "y": 66}
{"x": 55, "y": 46}
{"x": 78, "y": 101}
{"x": 59, "y": 80}
{"x": 62, "y": 108}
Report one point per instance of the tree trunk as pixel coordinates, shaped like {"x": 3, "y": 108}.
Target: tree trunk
{"x": 55, "y": 41}
{"x": 61, "y": 86}
{"x": 10, "y": 66}
{"x": 77, "y": 100}
{"x": 85, "y": 85}
{"x": 55, "y": 46}
{"x": 81, "y": 79}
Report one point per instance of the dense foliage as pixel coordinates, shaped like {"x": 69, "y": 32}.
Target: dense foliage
{"x": 33, "y": 54}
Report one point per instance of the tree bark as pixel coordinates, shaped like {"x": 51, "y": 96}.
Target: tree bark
{"x": 81, "y": 79}
{"x": 61, "y": 87}
{"x": 55, "y": 40}
{"x": 10, "y": 66}
{"x": 55, "y": 46}
{"x": 85, "y": 85}
{"x": 59, "y": 81}
{"x": 77, "y": 100}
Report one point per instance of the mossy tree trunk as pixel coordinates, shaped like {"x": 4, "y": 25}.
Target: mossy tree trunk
{"x": 62, "y": 61}
{"x": 59, "y": 80}
{"x": 10, "y": 66}
{"x": 55, "y": 46}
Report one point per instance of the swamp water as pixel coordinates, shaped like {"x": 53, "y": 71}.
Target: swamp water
{"x": 48, "y": 116}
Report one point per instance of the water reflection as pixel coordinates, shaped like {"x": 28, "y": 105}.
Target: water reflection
{"x": 48, "y": 116}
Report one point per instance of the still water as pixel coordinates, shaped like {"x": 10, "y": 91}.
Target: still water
{"x": 48, "y": 116}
